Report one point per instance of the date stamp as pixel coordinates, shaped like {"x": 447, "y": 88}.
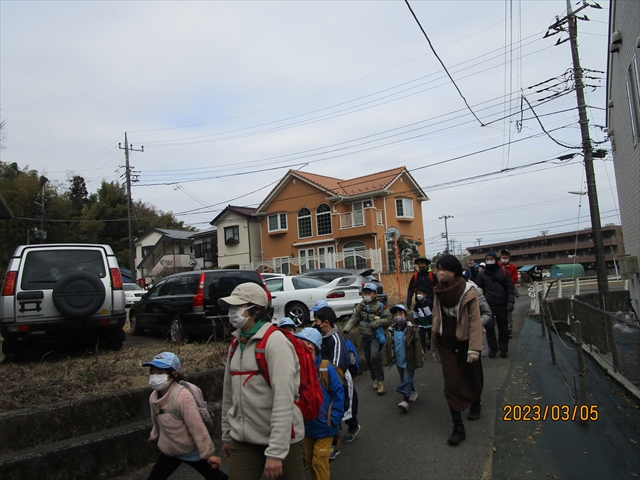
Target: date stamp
{"x": 555, "y": 413}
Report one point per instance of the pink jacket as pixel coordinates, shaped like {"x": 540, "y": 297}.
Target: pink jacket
{"x": 184, "y": 431}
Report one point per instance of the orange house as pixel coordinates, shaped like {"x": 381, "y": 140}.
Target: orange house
{"x": 313, "y": 221}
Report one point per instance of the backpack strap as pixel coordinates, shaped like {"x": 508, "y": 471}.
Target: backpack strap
{"x": 260, "y": 357}
{"x": 324, "y": 379}
{"x": 173, "y": 407}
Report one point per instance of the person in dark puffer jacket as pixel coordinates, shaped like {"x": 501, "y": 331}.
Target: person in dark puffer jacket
{"x": 497, "y": 288}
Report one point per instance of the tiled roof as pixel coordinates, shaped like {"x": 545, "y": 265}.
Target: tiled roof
{"x": 177, "y": 234}
{"x": 354, "y": 186}
{"x": 248, "y": 211}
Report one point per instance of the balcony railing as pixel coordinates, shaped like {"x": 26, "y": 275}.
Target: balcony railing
{"x": 357, "y": 219}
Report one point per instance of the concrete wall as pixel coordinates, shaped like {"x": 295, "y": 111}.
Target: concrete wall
{"x": 96, "y": 437}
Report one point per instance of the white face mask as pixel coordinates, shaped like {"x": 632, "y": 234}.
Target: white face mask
{"x": 236, "y": 317}
{"x": 490, "y": 262}
{"x": 420, "y": 297}
{"x": 159, "y": 381}
{"x": 367, "y": 298}
{"x": 504, "y": 260}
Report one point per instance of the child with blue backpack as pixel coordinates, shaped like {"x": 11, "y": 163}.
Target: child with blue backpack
{"x": 319, "y": 433}
{"x": 342, "y": 354}
{"x": 403, "y": 348}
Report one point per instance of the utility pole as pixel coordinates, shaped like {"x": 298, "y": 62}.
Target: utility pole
{"x": 446, "y": 231}
{"x": 478, "y": 240}
{"x": 132, "y": 248}
{"x": 587, "y": 151}
{"x": 40, "y": 234}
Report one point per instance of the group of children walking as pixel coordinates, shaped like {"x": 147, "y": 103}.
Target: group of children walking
{"x": 262, "y": 434}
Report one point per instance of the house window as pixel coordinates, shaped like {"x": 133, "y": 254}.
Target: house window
{"x": 325, "y": 257}
{"x": 404, "y": 208}
{"x": 277, "y": 222}
{"x": 197, "y": 250}
{"x": 304, "y": 223}
{"x": 354, "y": 255}
{"x": 307, "y": 260}
{"x": 231, "y": 235}
{"x": 323, "y": 219}
{"x": 633, "y": 96}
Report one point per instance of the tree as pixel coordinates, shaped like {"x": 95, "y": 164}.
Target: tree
{"x": 78, "y": 193}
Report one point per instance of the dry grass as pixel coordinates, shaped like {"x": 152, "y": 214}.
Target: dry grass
{"x": 49, "y": 380}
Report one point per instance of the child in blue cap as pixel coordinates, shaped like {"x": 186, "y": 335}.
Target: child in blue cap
{"x": 178, "y": 427}
{"x": 319, "y": 433}
{"x": 403, "y": 348}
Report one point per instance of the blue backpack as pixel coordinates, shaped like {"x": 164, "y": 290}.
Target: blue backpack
{"x": 354, "y": 365}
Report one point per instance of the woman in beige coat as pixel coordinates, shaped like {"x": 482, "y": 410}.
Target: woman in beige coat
{"x": 456, "y": 342}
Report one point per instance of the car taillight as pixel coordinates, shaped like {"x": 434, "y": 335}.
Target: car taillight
{"x": 9, "y": 286}
{"x": 198, "y": 299}
{"x": 116, "y": 279}
{"x": 265, "y": 288}
{"x": 338, "y": 294}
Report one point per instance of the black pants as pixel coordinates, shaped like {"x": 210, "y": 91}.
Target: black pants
{"x": 456, "y": 416}
{"x": 373, "y": 355}
{"x": 352, "y": 423}
{"x": 166, "y": 465}
{"x": 501, "y": 321}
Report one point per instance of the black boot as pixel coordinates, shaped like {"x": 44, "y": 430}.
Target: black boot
{"x": 474, "y": 412}
{"x": 457, "y": 436}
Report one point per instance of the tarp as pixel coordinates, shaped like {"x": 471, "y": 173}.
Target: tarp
{"x": 526, "y": 268}
{"x": 566, "y": 270}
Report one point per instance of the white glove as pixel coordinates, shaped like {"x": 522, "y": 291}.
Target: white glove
{"x": 472, "y": 356}
{"x": 436, "y": 356}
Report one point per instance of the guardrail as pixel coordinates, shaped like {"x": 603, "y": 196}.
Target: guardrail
{"x": 562, "y": 285}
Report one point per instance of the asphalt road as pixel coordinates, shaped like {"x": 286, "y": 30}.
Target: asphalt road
{"x": 395, "y": 445}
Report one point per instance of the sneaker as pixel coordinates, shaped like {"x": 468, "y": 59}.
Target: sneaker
{"x": 492, "y": 353}
{"x": 414, "y": 396}
{"x": 457, "y": 436}
{"x": 381, "y": 388}
{"x": 350, "y": 436}
{"x": 334, "y": 453}
{"x": 404, "y": 406}
{"x": 503, "y": 355}
{"x": 375, "y": 384}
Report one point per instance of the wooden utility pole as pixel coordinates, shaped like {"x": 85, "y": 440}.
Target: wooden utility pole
{"x": 446, "y": 231}
{"x": 132, "y": 248}
{"x": 587, "y": 151}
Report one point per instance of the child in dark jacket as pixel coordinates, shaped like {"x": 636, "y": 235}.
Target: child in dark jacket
{"x": 319, "y": 433}
{"x": 422, "y": 317}
{"x": 404, "y": 349}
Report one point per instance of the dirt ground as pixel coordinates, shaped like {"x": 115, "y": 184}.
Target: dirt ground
{"x": 65, "y": 372}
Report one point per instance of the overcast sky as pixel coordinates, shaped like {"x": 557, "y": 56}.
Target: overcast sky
{"x": 214, "y": 90}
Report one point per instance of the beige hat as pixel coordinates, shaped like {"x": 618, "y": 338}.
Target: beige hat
{"x": 246, "y": 293}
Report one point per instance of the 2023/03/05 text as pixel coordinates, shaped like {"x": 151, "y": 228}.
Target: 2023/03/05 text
{"x": 556, "y": 413}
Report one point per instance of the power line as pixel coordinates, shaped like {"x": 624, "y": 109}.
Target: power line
{"x": 442, "y": 63}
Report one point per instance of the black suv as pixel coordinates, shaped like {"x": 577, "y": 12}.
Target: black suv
{"x": 186, "y": 304}
{"x": 330, "y": 274}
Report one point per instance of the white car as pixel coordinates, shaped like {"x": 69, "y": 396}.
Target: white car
{"x": 133, "y": 293}
{"x": 294, "y": 296}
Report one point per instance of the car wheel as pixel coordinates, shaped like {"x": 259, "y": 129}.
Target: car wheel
{"x": 78, "y": 294}
{"x": 298, "y": 313}
{"x": 133, "y": 323}
{"x": 113, "y": 341}
{"x": 176, "y": 331}
{"x": 11, "y": 347}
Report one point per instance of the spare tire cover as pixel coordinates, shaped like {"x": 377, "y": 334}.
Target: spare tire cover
{"x": 78, "y": 294}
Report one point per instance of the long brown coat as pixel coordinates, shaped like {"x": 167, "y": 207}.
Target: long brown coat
{"x": 469, "y": 325}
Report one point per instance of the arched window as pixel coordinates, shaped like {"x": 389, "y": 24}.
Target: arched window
{"x": 323, "y": 219}
{"x": 353, "y": 258}
{"x": 304, "y": 223}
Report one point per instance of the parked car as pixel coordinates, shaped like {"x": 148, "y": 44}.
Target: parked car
{"x": 267, "y": 276}
{"x": 293, "y": 297}
{"x": 366, "y": 276}
{"x": 186, "y": 304}
{"x": 133, "y": 293}
{"x": 62, "y": 291}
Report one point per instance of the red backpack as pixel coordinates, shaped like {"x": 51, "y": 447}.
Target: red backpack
{"x": 310, "y": 393}
{"x": 415, "y": 278}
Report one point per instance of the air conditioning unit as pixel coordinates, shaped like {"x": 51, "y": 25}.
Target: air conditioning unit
{"x": 628, "y": 266}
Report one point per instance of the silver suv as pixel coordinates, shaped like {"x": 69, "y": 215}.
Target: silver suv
{"x": 55, "y": 291}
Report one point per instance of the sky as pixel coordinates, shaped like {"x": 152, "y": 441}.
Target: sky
{"x": 226, "y": 96}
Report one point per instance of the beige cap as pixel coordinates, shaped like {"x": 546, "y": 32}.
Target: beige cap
{"x": 246, "y": 293}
